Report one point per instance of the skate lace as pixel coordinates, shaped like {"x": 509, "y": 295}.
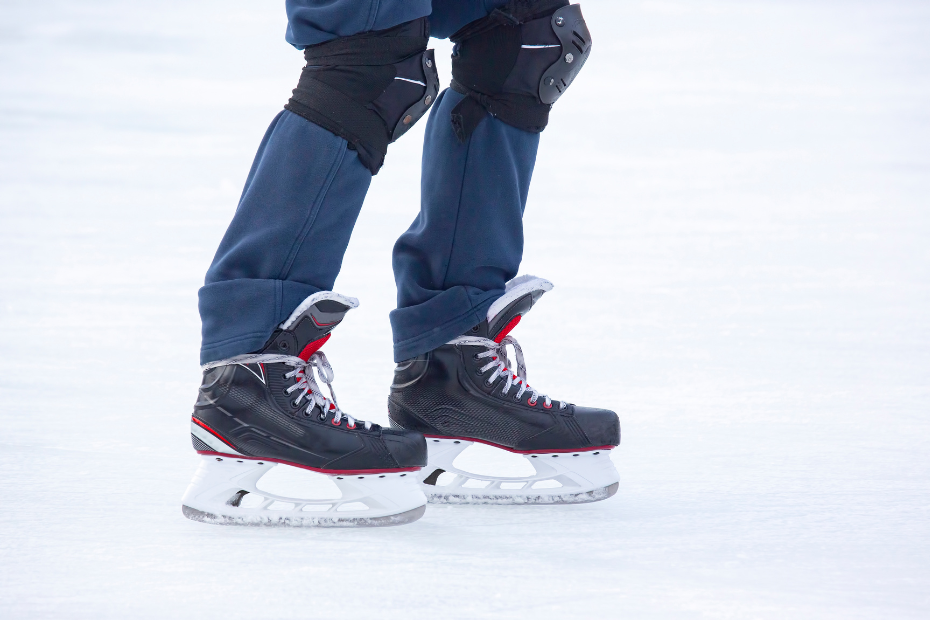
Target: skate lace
{"x": 306, "y": 381}
{"x": 498, "y": 359}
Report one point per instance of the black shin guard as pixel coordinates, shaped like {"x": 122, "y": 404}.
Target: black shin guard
{"x": 516, "y": 62}
{"x": 369, "y": 88}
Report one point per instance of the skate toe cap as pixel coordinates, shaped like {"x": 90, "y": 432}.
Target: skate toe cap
{"x": 602, "y": 426}
{"x": 407, "y": 447}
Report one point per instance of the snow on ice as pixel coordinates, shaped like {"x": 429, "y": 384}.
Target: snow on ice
{"x": 731, "y": 202}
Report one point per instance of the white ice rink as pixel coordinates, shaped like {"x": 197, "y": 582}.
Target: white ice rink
{"x": 732, "y": 201}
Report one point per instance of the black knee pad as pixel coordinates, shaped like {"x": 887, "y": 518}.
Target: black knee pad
{"x": 516, "y": 62}
{"x": 369, "y": 88}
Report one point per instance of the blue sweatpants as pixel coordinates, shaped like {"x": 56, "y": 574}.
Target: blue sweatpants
{"x": 305, "y": 190}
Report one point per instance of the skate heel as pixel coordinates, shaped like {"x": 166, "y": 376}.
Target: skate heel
{"x": 559, "y": 478}
{"x": 226, "y": 491}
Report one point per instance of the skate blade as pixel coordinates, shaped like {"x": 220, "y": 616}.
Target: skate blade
{"x": 565, "y": 498}
{"x": 230, "y": 491}
{"x": 258, "y": 521}
{"x": 559, "y": 478}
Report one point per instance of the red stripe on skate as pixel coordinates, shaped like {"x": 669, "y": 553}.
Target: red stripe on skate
{"x": 313, "y": 347}
{"x": 331, "y": 472}
{"x": 495, "y": 445}
{"x": 211, "y": 431}
{"x": 507, "y": 329}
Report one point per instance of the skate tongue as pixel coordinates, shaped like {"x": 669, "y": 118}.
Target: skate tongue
{"x": 507, "y": 328}
{"x": 313, "y": 347}
{"x": 505, "y": 313}
{"x": 309, "y": 326}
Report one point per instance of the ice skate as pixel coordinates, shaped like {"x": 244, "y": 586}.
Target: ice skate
{"x": 264, "y": 412}
{"x": 466, "y": 393}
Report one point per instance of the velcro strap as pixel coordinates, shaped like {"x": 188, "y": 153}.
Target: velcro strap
{"x": 349, "y": 118}
{"x": 359, "y": 50}
{"x": 517, "y": 110}
{"x": 467, "y": 114}
{"x": 486, "y": 56}
{"x": 348, "y": 113}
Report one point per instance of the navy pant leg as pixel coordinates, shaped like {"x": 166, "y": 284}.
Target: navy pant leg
{"x": 467, "y": 241}
{"x": 450, "y": 15}
{"x": 305, "y": 190}
{"x": 287, "y": 238}
{"x": 314, "y": 21}
{"x": 300, "y": 202}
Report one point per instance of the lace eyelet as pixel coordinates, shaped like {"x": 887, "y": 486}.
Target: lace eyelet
{"x": 518, "y": 398}
{"x": 294, "y": 403}
{"x": 532, "y": 403}
{"x": 306, "y": 413}
{"x": 549, "y": 406}
{"x": 489, "y": 383}
{"x": 322, "y": 416}
{"x": 479, "y": 372}
{"x": 284, "y": 376}
{"x": 335, "y": 423}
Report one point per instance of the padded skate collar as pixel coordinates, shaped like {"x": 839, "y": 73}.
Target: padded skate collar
{"x": 517, "y": 288}
{"x": 309, "y": 325}
{"x": 313, "y": 300}
{"x": 505, "y": 313}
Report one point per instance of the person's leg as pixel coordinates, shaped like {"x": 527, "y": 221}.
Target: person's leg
{"x": 266, "y": 305}
{"x": 300, "y": 202}
{"x": 467, "y": 241}
{"x": 310, "y": 22}
{"x": 287, "y": 238}
{"x": 458, "y": 297}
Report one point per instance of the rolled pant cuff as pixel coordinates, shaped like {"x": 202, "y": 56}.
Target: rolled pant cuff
{"x": 431, "y": 324}
{"x": 240, "y": 315}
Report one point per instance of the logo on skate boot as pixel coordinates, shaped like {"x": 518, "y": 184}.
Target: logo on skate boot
{"x": 256, "y": 369}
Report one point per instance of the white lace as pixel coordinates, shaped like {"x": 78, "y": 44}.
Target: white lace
{"x": 306, "y": 382}
{"x": 500, "y": 361}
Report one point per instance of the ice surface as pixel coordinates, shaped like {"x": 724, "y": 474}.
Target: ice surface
{"x": 732, "y": 201}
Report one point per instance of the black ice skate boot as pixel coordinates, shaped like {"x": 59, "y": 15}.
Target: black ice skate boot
{"x": 265, "y": 410}
{"x": 466, "y": 391}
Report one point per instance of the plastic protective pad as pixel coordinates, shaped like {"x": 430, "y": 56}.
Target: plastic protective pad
{"x": 569, "y": 26}
{"x": 362, "y": 87}
{"x": 419, "y": 108}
